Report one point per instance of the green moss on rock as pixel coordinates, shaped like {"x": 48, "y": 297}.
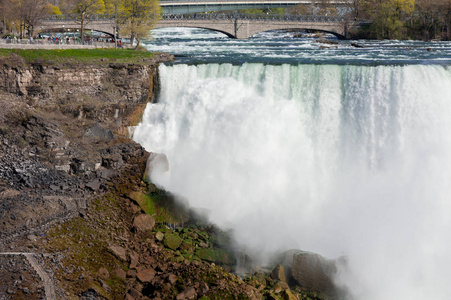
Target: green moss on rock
{"x": 172, "y": 241}
{"x": 218, "y": 256}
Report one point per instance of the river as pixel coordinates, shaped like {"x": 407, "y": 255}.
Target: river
{"x": 325, "y": 147}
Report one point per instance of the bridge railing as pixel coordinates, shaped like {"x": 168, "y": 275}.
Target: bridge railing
{"x": 263, "y": 17}
{"x": 77, "y": 17}
{"x": 209, "y": 16}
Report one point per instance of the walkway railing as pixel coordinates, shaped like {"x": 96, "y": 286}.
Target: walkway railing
{"x": 77, "y": 17}
{"x": 262, "y": 17}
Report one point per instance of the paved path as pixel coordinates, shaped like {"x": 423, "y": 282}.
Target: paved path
{"x": 55, "y": 46}
{"x": 49, "y": 287}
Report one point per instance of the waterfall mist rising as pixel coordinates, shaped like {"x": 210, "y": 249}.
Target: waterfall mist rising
{"x": 338, "y": 160}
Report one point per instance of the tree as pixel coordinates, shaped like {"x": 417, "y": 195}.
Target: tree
{"x": 31, "y": 12}
{"x": 388, "y": 16}
{"x": 432, "y": 19}
{"x": 138, "y": 17}
{"x": 85, "y": 8}
{"x": 7, "y": 12}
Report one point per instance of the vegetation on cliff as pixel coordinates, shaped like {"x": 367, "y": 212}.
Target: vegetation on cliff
{"x": 81, "y": 55}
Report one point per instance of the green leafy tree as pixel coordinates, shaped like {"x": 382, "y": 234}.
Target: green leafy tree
{"x": 137, "y": 18}
{"x": 388, "y": 16}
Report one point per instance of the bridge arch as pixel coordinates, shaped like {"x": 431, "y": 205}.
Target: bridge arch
{"x": 68, "y": 30}
{"x": 300, "y": 29}
{"x": 228, "y": 34}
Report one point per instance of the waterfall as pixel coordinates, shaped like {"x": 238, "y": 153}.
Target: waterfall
{"x": 334, "y": 159}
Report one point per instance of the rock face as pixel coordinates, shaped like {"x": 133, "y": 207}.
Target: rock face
{"x": 59, "y": 135}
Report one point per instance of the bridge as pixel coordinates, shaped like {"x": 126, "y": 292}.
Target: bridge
{"x": 187, "y": 6}
{"x": 234, "y": 25}
{"x": 243, "y": 26}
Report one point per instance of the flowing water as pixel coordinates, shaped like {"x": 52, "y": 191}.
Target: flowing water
{"x": 343, "y": 151}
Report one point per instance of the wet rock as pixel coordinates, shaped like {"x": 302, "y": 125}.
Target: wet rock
{"x": 218, "y": 256}
{"x": 314, "y": 272}
{"x": 172, "y": 241}
{"x": 279, "y": 273}
{"x": 288, "y": 295}
{"x": 157, "y": 163}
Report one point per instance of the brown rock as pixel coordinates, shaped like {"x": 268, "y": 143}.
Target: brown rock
{"x": 119, "y": 252}
{"x": 131, "y": 273}
{"x": 202, "y": 289}
{"x": 146, "y": 275}
{"x": 134, "y": 294}
{"x": 159, "y": 236}
{"x": 314, "y": 272}
{"x": 172, "y": 279}
{"x": 104, "y": 273}
{"x": 143, "y": 223}
{"x": 279, "y": 273}
{"x": 288, "y": 295}
{"x": 120, "y": 273}
{"x": 134, "y": 260}
{"x": 189, "y": 293}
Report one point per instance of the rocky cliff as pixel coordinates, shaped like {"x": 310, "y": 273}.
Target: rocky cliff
{"x": 61, "y": 129}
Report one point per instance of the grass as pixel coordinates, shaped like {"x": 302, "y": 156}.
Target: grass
{"x": 79, "y": 55}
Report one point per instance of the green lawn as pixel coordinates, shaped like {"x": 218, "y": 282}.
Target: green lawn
{"x": 82, "y": 55}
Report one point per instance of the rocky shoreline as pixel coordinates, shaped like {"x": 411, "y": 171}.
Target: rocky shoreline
{"x": 73, "y": 197}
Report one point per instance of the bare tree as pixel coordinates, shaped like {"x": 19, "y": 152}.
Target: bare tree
{"x": 85, "y": 8}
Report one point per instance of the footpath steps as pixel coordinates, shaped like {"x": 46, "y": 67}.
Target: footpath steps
{"x": 49, "y": 287}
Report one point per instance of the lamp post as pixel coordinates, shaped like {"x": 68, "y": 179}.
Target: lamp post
{"x": 115, "y": 37}
{"x": 63, "y": 36}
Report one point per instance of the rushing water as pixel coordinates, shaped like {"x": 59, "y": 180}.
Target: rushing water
{"x": 294, "y": 146}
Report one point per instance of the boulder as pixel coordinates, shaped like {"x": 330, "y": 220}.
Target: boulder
{"x": 189, "y": 293}
{"x": 172, "y": 241}
{"x": 143, "y": 223}
{"x": 98, "y": 132}
{"x": 119, "y": 252}
{"x": 104, "y": 273}
{"x": 288, "y": 295}
{"x": 157, "y": 163}
{"x": 159, "y": 236}
{"x": 279, "y": 273}
{"x": 146, "y": 275}
{"x": 314, "y": 272}
{"x": 218, "y": 256}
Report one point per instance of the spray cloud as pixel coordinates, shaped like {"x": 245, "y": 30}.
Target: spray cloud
{"x": 338, "y": 160}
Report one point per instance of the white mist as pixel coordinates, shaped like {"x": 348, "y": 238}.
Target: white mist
{"x": 338, "y": 160}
